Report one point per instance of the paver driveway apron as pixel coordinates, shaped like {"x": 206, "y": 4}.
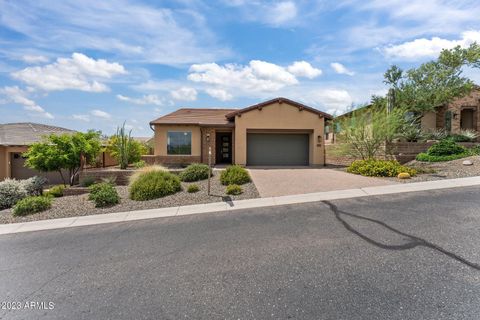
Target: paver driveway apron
{"x": 271, "y": 182}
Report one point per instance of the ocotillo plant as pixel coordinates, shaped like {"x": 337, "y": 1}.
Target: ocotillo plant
{"x": 123, "y": 144}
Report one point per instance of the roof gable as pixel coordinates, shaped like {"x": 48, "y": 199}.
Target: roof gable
{"x": 195, "y": 116}
{"x": 23, "y": 134}
{"x": 279, "y": 100}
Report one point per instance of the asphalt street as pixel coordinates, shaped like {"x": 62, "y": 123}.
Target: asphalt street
{"x": 400, "y": 256}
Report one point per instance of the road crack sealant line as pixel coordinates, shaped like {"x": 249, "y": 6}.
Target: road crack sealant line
{"x": 414, "y": 241}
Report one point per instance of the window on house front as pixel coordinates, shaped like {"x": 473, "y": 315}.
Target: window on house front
{"x": 179, "y": 142}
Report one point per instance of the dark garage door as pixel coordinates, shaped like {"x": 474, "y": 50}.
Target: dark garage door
{"x": 277, "y": 149}
{"x": 19, "y": 171}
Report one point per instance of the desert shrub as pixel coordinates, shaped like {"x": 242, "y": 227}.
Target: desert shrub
{"x": 234, "y": 175}
{"x": 465, "y": 136}
{"x": 233, "y": 189}
{"x": 379, "y": 168}
{"x": 145, "y": 169}
{"x": 445, "y": 147}
{"x": 436, "y": 134}
{"x": 110, "y": 180}
{"x": 11, "y": 191}
{"x": 34, "y": 185}
{"x": 139, "y": 164}
{"x": 154, "y": 184}
{"x": 430, "y": 158}
{"x": 56, "y": 191}
{"x": 195, "y": 172}
{"x": 193, "y": 188}
{"x": 88, "y": 181}
{"x": 103, "y": 195}
{"x": 31, "y": 205}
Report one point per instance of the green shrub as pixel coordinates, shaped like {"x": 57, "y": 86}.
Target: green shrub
{"x": 445, "y": 147}
{"x": 11, "y": 191}
{"x": 430, "y": 158}
{"x": 139, "y": 164}
{"x": 193, "y": 188}
{"x": 56, "y": 191}
{"x": 234, "y": 175}
{"x": 233, "y": 189}
{"x": 153, "y": 185}
{"x": 34, "y": 185}
{"x": 103, "y": 195}
{"x": 195, "y": 172}
{"x": 379, "y": 168}
{"x": 87, "y": 181}
{"x": 31, "y": 205}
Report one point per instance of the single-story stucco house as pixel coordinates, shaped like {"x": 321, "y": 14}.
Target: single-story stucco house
{"x": 14, "y": 140}
{"x": 275, "y": 132}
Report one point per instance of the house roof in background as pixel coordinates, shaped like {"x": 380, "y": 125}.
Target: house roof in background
{"x": 196, "y": 116}
{"x": 26, "y": 133}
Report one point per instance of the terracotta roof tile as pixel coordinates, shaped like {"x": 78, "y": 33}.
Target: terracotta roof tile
{"x": 196, "y": 116}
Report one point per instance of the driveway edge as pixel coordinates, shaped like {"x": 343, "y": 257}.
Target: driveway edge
{"x": 234, "y": 205}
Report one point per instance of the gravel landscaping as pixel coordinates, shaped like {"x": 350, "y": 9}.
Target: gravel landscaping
{"x": 79, "y": 205}
{"x": 443, "y": 170}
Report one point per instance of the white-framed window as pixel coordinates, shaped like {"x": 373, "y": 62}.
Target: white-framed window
{"x": 179, "y": 142}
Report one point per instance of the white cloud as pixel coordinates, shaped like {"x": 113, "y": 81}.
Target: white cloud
{"x": 151, "y": 99}
{"x": 219, "y": 94}
{"x": 335, "y": 101}
{"x": 185, "y": 94}
{"x": 429, "y": 48}
{"x": 81, "y": 117}
{"x": 341, "y": 69}
{"x": 100, "y": 114}
{"x": 283, "y": 12}
{"x": 18, "y": 96}
{"x": 33, "y": 59}
{"x": 257, "y": 76}
{"x": 79, "y": 73}
{"x": 304, "y": 69}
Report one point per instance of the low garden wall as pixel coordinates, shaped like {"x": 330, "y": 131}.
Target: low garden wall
{"x": 98, "y": 174}
{"x": 178, "y": 161}
{"x": 401, "y": 151}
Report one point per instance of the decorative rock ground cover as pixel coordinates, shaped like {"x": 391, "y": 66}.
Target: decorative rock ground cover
{"x": 79, "y": 205}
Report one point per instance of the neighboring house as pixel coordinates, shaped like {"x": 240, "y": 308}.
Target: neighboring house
{"x": 14, "y": 140}
{"x": 460, "y": 114}
{"x": 275, "y": 132}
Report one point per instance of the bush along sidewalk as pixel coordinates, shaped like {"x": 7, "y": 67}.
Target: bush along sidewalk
{"x": 32, "y": 205}
{"x": 379, "y": 168}
{"x": 234, "y": 175}
{"x": 103, "y": 195}
{"x": 446, "y": 150}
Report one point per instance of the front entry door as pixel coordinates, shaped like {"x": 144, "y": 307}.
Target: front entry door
{"x": 223, "y": 147}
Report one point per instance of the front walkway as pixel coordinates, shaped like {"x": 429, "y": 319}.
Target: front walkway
{"x": 273, "y": 182}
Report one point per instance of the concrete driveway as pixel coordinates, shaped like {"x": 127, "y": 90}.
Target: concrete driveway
{"x": 272, "y": 182}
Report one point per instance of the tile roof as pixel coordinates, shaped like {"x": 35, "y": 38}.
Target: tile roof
{"x": 196, "y": 116}
{"x": 280, "y": 100}
{"x": 22, "y": 134}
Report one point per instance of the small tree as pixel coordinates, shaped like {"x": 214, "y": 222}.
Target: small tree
{"x": 124, "y": 148}
{"x": 64, "y": 152}
{"x": 365, "y": 133}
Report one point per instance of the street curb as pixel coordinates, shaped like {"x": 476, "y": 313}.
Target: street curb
{"x": 234, "y": 205}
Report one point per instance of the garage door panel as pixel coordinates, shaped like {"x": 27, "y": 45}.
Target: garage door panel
{"x": 264, "y": 149}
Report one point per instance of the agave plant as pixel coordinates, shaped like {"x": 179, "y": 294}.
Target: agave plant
{"x": 437, "y": 134}
{"x": 469, "y": 134}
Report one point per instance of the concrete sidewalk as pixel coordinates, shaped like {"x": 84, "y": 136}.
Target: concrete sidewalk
{"x": 274, "y": 182}
{"x": 235, "y": 205}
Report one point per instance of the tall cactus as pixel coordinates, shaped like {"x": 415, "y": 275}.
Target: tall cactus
{"x": 123, "y": 144}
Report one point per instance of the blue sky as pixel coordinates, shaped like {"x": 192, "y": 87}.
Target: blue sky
{"x": 94, "y": 64}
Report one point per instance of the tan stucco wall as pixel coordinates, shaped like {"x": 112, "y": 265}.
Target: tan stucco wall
{"x": 160, "y": 146}
{"x": 429, "y": 121}
{"x": 279, "y": 116}
{"x": 5, "y": 171}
